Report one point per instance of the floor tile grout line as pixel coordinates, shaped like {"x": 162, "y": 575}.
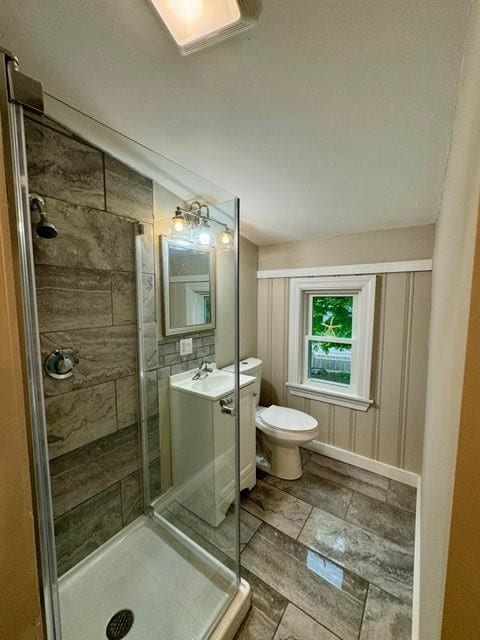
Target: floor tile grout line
{"x": 348, "y": 508}
{"x": 286, "y": 492}
{"x": 281, "y": 618}
{"x": 321, "y": 624}
{"x": 324, "y": 626}
{"x": 307, "y": 504}
{"x": 303, "y": 525}
{"x": 301, "y": 499}
{"x": 364, "y": 611}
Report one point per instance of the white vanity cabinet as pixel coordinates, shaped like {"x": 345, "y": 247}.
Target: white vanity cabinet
{"x": 203, "y": 442}
{"x": 248, "y": 450}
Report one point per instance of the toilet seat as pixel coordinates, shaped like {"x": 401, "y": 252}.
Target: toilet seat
{"x": 287, "y": 420}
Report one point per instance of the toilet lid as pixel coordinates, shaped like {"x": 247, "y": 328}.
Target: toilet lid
{"x": 287, "y": 419}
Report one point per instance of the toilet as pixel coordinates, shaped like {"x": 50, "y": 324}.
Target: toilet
{"x": 281, "y": 431}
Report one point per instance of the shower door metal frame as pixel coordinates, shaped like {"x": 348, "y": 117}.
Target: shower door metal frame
{"x": 13, "y": 100}
{"x": 139, "y": 231}
{"x": 237, "y": 380}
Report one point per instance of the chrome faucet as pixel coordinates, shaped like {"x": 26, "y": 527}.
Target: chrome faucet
{"x": 203, "y": 370}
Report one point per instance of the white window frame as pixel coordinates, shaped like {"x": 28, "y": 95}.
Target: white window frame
{"x": 356, "y": 395}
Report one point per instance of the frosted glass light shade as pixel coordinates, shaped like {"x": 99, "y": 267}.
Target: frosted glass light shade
{"x": 195, "y": 24}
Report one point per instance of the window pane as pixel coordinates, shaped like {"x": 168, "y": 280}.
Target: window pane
{"x": 329, "y": 362}
{"x": 207, "y": 309}
{"x": 332, "y": 316}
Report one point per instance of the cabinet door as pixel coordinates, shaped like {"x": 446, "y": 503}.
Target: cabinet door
{"x": 247, "y": 437}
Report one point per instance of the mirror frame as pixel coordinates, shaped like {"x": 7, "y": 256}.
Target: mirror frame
{"x": 166, "y": 242}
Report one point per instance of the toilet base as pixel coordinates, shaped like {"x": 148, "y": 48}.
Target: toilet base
{"x": 286, "y": 462}
{"x": 281, "y": 461}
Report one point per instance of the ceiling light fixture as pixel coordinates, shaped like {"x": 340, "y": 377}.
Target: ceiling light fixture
{"x": 195, "y": 24}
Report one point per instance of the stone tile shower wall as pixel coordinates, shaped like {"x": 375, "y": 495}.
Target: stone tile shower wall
{"x": 170, "y": 361}
{"x": 86, "y": 301}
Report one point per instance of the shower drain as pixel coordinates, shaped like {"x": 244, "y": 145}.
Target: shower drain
{"x": 119, "y": 624}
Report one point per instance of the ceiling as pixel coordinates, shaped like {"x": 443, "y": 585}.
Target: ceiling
{"x": 329, "y": 117}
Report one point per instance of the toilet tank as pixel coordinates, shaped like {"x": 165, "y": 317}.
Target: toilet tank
{"x": 251, "y": 367}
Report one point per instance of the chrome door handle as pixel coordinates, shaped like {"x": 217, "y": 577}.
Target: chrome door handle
{"x": 227, "y": 406}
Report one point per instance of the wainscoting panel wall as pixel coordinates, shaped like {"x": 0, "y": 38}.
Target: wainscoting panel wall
{"x": 391, "y": 431}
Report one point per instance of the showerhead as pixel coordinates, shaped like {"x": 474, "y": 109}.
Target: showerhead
{"x": 44, "y": 228}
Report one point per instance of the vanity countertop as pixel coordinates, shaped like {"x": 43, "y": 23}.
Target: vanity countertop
{"x": 216, "y": 385}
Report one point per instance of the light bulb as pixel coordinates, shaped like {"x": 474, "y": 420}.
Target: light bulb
{"x": 205, "y": 236}
{"x": 178, "y": 222}
{"x": 225, "y": 239}
{"x": 188, "y": 11}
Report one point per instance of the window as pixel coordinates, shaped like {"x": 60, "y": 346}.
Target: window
{"x": 331, "y": 332}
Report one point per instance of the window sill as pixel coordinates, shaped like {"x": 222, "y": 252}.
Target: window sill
{"x": 340, "y": 399}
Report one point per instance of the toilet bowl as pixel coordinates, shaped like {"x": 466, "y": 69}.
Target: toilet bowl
{"x": 281, "y": 431}
{"x": 284, "y": 431}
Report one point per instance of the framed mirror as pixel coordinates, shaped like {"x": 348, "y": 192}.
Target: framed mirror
{"x": 188, "y": 278}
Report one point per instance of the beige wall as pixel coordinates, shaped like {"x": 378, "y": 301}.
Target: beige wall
{"x": 225, "y": 309}
{"x": 164, "y": 205}
{"x": 248, "y": 297}
{"x": 409, "y": 243}
{"x": 224, "y": 345}
{"x": 452, "y": 282}
{"x": 391, "y": 431}
{"x": 462, "y": 594}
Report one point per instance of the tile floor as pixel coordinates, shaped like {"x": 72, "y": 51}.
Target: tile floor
{"x": 328, "y": 556}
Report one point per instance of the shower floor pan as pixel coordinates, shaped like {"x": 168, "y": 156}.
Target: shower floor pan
{"x": 173, "y": 593}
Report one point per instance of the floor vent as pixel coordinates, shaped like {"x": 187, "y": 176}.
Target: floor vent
{"x": 119, "y": 625}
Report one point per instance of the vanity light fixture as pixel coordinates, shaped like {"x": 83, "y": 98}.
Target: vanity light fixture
{"x": 195, "y": 24}
{"x": 194, "y": 225}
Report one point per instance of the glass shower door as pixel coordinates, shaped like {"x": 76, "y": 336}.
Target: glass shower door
{"x": 192, "y": 494}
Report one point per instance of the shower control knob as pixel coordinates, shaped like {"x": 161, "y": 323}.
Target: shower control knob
{"x": 65, "y": 364}
{"x": 60, "y": 363}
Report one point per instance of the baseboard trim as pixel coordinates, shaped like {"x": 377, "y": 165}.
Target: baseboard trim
{"x": 382, "y": 469}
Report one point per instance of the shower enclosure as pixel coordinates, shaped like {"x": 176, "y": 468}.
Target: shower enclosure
{"x": 136, "y": 466}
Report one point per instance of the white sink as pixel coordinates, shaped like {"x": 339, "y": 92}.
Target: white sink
{"x": 217, "y": 384}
